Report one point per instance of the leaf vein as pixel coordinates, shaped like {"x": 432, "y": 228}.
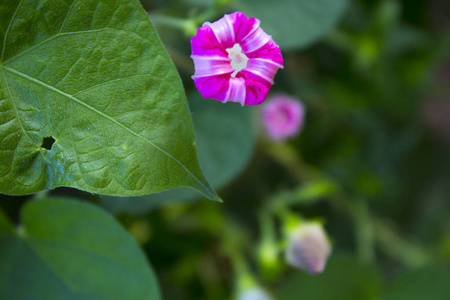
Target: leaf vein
{"x": 110, "y": 81}
{"x": 7, "y": 30}
{"x": 65, "y": 18}
{"x": 58, "y": 35}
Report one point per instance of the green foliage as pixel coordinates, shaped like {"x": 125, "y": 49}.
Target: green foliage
{"x": 295, "y": 23}
{"x": 344, "y": 279}
{"x": 91, "y": 100}
{"x": 72, "y": 250}
{"x": 426, "y": 283}
{"x": 370, "y": 164}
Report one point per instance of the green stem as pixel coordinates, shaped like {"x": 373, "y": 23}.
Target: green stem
{"x": 397, "y": 247}
{"x": 288, "y": 157}
{"x": 268, "y": 248}
{"x": 364, "y": 232}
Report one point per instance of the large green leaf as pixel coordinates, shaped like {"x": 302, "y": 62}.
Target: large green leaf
{"x": 90, "y": 99}
{"x": 343, "y": 279}
{"x": 71, "y": 250}
{"x": 225, "y": 136}
{"x": 295, "y": 23}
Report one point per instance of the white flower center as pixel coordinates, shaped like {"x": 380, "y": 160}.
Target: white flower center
{"x": 238, "y": 59}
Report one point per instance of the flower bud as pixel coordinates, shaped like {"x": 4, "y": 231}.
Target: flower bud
{"x": 255, "y": 293}
{"x": 308, "y": 248}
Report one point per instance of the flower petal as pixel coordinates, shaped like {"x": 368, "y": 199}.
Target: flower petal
{"x": 223, "y": 30}
{"x": 264, "y": 68}
{"x": 236, "y": 90}
{"x": 211, "y": 66}
{"x": 255, "y": 39}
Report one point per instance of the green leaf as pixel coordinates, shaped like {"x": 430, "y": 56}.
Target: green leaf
{"x": 71, "y": 250}
{"x": 426, "y": 283}
{"x": 90, "y": 99}
{"x": 343, "y": 279}
{"x": 225, "y": 137}
{"x": 295, "y": 24}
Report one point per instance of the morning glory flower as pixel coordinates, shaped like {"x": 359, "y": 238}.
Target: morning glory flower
{"x": 282, "y": 116}
{"x": 308, "y": 247}
{"x": 235, "y": 60}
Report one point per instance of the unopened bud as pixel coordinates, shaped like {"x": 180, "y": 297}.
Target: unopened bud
{"x": 308, "y": 248}
{"x": 255, "y": 293}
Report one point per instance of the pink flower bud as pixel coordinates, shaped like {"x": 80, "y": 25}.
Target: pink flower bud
{"x": 235, "y": 60}
{"x": 308, "y": 248}
{"x": 282, "y": 117}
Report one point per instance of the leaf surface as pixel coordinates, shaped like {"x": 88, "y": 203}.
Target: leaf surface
{"x": 90, "y": 99}
{"x": 71, "y": 250}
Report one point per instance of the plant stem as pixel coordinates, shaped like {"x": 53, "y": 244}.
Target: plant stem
{"x": 364, "y": 232}
{"x": 397, "y": 247}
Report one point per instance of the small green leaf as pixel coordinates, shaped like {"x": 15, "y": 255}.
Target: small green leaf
{"x": 344, "y": 278}
{"x": 90, "y": 99}
{"x": 295, "y": 23}
{"x": 426, "y": 283}
{"x": 72, "y": 250}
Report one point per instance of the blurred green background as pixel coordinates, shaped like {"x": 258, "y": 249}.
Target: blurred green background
{"x": 372, "y": 160}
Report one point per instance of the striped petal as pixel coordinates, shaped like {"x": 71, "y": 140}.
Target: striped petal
{"x": 211, "y": 66}
{"x": 236, "y": 91}
{"x": 223, "y": 30}
{"x": 264, "y": 68}
{"x": 255, "y": 39}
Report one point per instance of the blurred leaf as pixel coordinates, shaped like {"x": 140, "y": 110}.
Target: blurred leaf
{"x": 225, "y": 138}
{"x": 5, "y": 225}
{"x": 72, "y": 250}
{"x": 344, "y": 278}
{"x": 295, "y": 23}
{"x": 143, "y": 204}
{"x": 91, "y": 100}
{"x": 427, "y": 283}
{"x": 404, "y": 38}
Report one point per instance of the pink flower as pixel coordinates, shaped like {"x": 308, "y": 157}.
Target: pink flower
{"x": 235, "y": 60}
{"x": 282, "y": 117}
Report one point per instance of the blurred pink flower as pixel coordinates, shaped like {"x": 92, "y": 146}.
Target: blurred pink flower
{"x": 235, "y": 60}
{"x": 282, "y": 116}
{"x": 308, "y": 248}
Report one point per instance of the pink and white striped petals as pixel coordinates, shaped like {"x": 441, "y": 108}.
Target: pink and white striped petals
{"x": 214, "y": 74}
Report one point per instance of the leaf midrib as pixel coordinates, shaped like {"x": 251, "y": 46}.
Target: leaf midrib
{"x": 71, "y": 97}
